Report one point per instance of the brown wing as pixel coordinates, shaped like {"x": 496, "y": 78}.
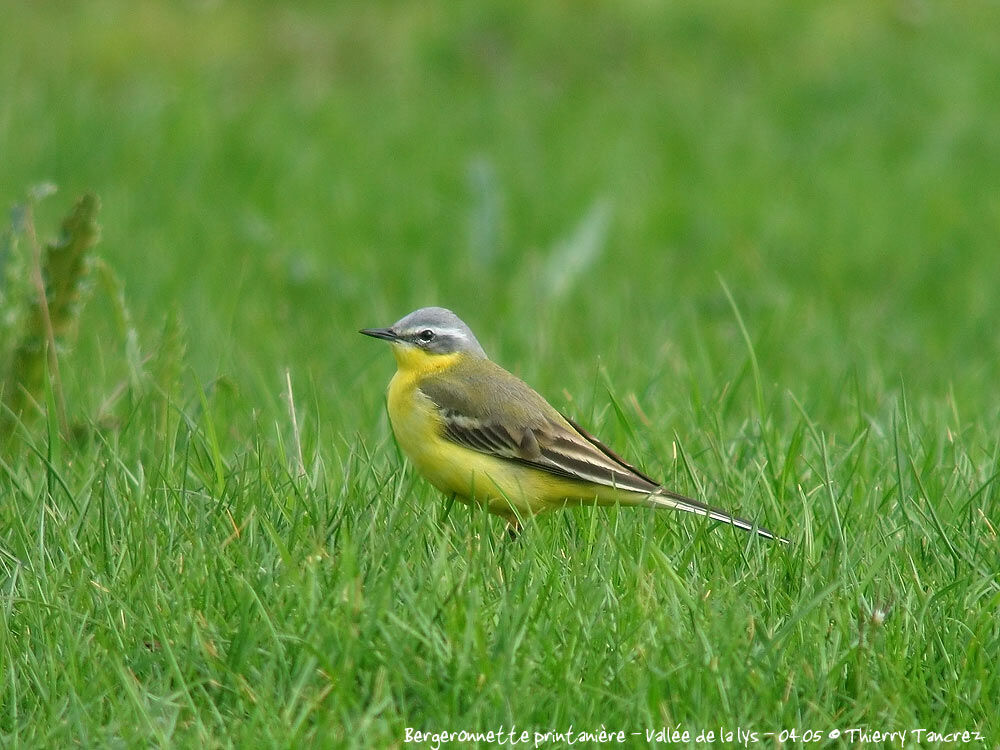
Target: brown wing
{"x": 564, "y": 450}
{"x": 531, "y": 432}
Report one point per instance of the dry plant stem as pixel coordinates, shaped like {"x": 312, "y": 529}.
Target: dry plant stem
{"x": 43, "y": 306}
{"x": 295, "y": 423}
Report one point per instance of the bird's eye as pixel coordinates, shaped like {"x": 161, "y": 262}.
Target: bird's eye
{"x": 426, "y": 335}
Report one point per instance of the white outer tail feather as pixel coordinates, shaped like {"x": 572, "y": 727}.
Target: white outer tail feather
{"x": 663, "y": 500}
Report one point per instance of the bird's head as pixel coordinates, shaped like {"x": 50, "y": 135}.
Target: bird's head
{"x": 429, "y": 332}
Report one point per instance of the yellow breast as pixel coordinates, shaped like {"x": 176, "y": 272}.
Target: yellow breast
{"x": 503, "y": 486}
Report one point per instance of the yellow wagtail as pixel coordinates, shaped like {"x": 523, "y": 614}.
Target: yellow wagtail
{"x": 479, "y": 433}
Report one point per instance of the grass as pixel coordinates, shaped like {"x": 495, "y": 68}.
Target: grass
{"x": 751, "y": 246}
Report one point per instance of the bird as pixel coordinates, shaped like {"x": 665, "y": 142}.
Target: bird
{"x": 480, "y": 434}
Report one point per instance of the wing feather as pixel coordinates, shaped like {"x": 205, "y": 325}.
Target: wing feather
{"x": 560, "y": 449}
{"x": 534, "y": 434}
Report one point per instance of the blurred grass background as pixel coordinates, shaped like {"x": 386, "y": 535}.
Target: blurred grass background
{"x": 282, "y": 175}
{"x": 580, "y": 182}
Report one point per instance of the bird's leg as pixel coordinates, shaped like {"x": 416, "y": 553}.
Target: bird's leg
{"x": 513, "y": 529}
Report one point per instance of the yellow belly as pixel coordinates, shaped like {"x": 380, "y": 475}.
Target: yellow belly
{"x": 504, "y": 487}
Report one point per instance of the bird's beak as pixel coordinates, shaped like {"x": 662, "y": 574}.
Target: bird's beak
{"x": 379, "y": 333}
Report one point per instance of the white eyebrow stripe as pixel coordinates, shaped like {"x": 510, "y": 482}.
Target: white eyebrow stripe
{"x": 438, "y": 330}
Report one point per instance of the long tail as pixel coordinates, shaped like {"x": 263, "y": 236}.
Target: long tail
{"x": 667, "y": 499}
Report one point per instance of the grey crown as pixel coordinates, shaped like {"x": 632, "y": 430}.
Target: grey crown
{"x": 451, "y": 334}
